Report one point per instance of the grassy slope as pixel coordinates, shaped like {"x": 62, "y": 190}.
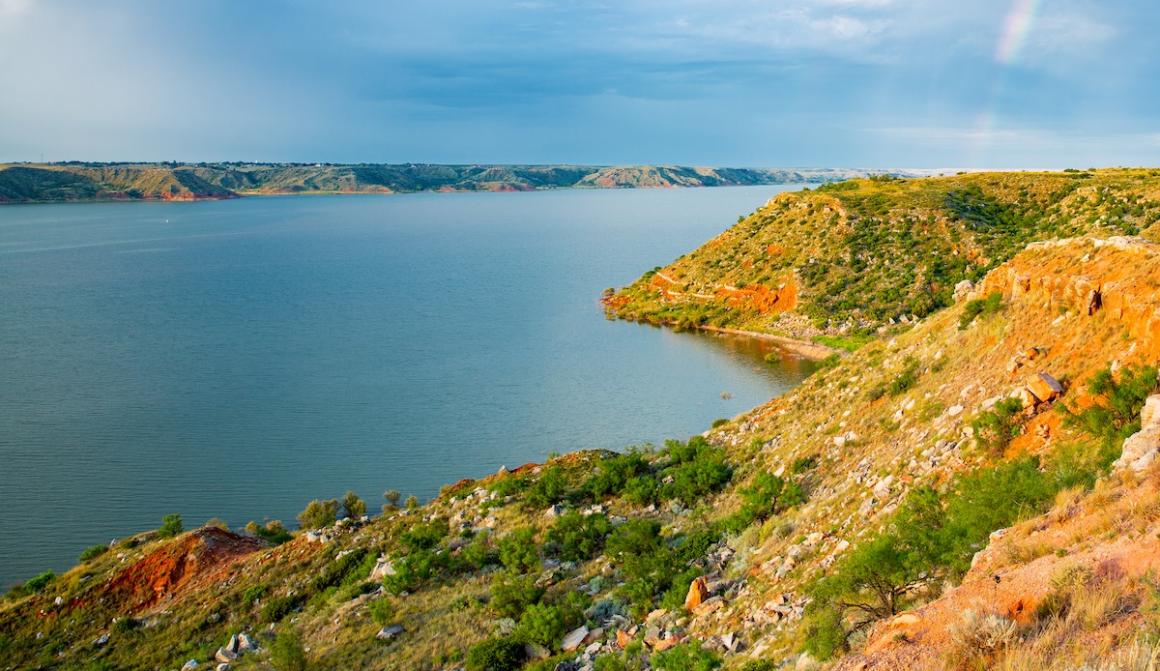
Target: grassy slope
{"x": 871, "y": 441}
{"x": 78, "y": 182}
{"x": 854, "y": 255}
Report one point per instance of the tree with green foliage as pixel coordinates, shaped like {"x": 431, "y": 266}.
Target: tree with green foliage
{"x": 318, "y": 514}
{"x": 518, "y": 551}
{"x": 353, "y": 507}
{"x": 171, "y": 526}
{"x": 512, "y": 594}
{"x": 1114, "y": 413}
{"x": 551, "y": 487}
{"x": 576, "y": 537}
{"x": 997, "y": 427}
{"x": 542, "y": 624}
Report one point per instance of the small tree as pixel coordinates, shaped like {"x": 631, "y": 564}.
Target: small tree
{"x": 318, "y": 514}
{"x": 392, "y": 496}
{"x": 412, "y": 502}
{"x": 171, "y": 525}
{"x": 353, "y": 507}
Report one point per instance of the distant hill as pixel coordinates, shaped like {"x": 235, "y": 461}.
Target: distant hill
{"x": 75, "y": 181}
{"x": 861, "y": 254}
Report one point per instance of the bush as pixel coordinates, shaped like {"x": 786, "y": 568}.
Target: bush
{"x": 906, "y": 379}
{"x": 614, "y": 473}
{"x": 92, "y": 552}
{"x": 576, "y": 537}
{"x": 496, "y": 654}
{"x": 343, "y": 569}
{"x": 698, "y": 469}
{"x": 318, "y": 514}
{"x": 353, "y": 507}
{"x": 254, "y": 593}
{"x": 274, "y": 532}
{"x": 542, "y": 624}
{"x": 478, "y": 553}
{"x": 825, "y": 636}
{"x": 643, "y": 490}
{"x": 980, "y": 307}
{"x": 686, "y": 657}
{"x": 550, "y": 488}
{"x": 426, "y": 535}
{"x": 170, "y": 526}
{"x": 415, "y": 568}
{"x": 1115, "y": 413}
{"x": 997, "y": 427}
{"x": 518, "y": 552}
{"x": 39, "y": 582}
{"x": 646, "y": 561}
{"x": 768, "y": 495}
{"x": 382, "y": 611}
{"x": 287, "y": 652}
{"x": 279, "y": 607}
{"x": 512, "y": 594}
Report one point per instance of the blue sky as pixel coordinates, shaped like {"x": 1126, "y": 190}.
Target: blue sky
{"x": 874, "y": 83}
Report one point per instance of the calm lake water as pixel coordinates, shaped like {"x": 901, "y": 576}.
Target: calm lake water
{"x": 236, "y": 359}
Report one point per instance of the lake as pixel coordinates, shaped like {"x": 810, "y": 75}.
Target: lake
{"x": 235, "y": 359}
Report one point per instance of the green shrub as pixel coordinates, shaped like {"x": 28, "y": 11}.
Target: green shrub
{"x": 338, "y": 571}
{"x": 906, "y": 379}
{"x": 980, "y": 307}
{"x": 92, "y": 552}
{"x": 318, "y": 514}
{"x": 496, "y": 654}
{"x": 415, "y": 568}
{"x": 478, "y": 553}
{"x": 279, "y": 607}
{"x": 254, "y": 593}
{"x": 646, "y": 561}
{"x": 512, "y": 594}
{"x": 697, "y": 469}
{"x": 518, "y": 551}
{"x": 124, "y": 625}
{"x": 614, "y": 473}
{"x": 542, "y": 624}
{"x": 382, "y": 611}
{"x": 643, "y": 490}
{"x": 686, "y": 657}
{"x": 825, "y": 636}
{"x": 287, "y": 652}
{"x": 39, "y": 582}
{"x": 425, "y": 535}
{"x": 1115, "y": 413}
{"x": 997, "y": 427}
{"x": 274, "y": 532}
{"x": 550, "y": 488}
{"x": 353, "y": 507}
{"x": 171, "y": 526}
{"x": 768, "y": 495}
{"x": 576, "y": 537}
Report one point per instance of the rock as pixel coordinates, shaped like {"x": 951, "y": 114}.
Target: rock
{"x": 710, "y": 605}
{"x": 1045, "y": 387}
{"x": 224, "y": 666}
{"x": 962, "y": 290}
{"x": 954, "y": 411}
{"x": 1028, "y": 399}
{"x": 554, "y": 511}
{"x": 698, "y": 592}
{"x": 592, "y": 648}
{"x": 536, "y": 651}
{"x": 1140, "y": 449}
{"x": 101, "y": 640}
{"x": 190, "y": 665}
{"x": 622, "y": 638}
{"x": 594, "y": 635}
{"x": 660, "y": 645}
{"x": 574, "y": 639}
{"x": 223, "y": 655}
{"x": 232, "y": 644}
{"x": 1150, "y": 413}
{"x": 58, "y": 601}
{"x": 805, "y": 662}
{"x": 383, "y": 568}
{"x": 389, "y": 632}
{"x": 245, "y": 643}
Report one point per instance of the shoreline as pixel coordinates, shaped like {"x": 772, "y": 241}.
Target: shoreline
{"x": 810, "y": 350}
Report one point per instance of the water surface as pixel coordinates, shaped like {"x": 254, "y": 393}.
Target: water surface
{"x": 238, "y": 358}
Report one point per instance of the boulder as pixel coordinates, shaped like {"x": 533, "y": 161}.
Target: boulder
{"x": 698, "y": 592}
{"x": 232, "y": 644}
{"x": 245, "y": 643}
{"x": 389, "y": 632}
{"x": 190, "y": 665}
{"x": 963, "y": 290}
{"x": 1140, "y": 449}
{"x": 224, "y": 666}
{"x": 1044, "y": 387}
{"x": 225, "y": 656}
{"x": 622, "y": 638}
{"x": 1150, "y": 413}
{"x": 536, "y": 651}
{"x": 574, "y": 639}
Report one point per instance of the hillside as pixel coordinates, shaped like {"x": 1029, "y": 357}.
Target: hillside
{"x": 851, "y": 257}
{"x": 944, "y": 498}
{"x": 30, "y": 183}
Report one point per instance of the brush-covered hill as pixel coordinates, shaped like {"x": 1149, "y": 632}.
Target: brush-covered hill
{"x": 853, "y": 256}
{"x": 957, "y": 495}
{"x": 74, "y": 181}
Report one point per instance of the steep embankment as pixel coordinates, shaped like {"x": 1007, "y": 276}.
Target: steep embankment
{"x": 27, "y": 183}
{"x": 855, "y": 256}
{"x": 808, "y": 523}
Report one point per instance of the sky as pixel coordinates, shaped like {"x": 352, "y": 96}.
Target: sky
{"x": 771, "y": 83}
